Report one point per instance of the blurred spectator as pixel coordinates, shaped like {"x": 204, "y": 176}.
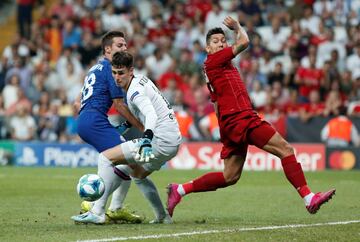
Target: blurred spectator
{"x": 337, "y": 63}
{"x": 176, "y": 15}
{"x": 186, "y": 63}
{"x": 215, "y": 16}
{"x": 311, "y": 51}
{"x": 39, "y": 51}
{"x": 295, "y": 11}
{"x": 277, "y": 74}
{"x": 255, "y": 74}
{"x": 179, "y": 104}
{"x": 170, "y": 90}
{"x": 309, "y": 79}
{"x": 158, "y": 63}
{"x": 209, "y": 127}
{"x": 265, "y": 62}
{"x": 203, "y": 106}
{"x": 332, "y": 103}
{"x": 314, "y": 108}
{"x": 37, "y": 87}
{"x": 49, "y": 126}
{"x": 249, "y": 9}
{"x": 2, "y": 106}
{"x": 280, "y": 94}
{"x": 270, "y": 111}
{"x": 87, "y": 21}
{"x": 188, "y": 129}
{"x": 65, "y": 109}
{"x": 342, "y": 13}
{"x": 292, "y": 107}
{"x": 22, "y": 125}
{"x": 353, "y": 61}
{"x": 42, "y": 107}
{"x": 321, "y": 36}
{"x": 355, "y": 95}
{"x": 70, "y": 78}
{"x": 258, "y": 95}
{"x": 185, "y": 121}
{"x": 54, "y": 38}
{"x": 3, "y": 124}
{"x": 89, "y": 50}
{"x": 276, "y": 37}
{"x": 111, "y": 20}
{"x": 199, "y": 53}
{"x": 68, "y": 58}
{"x": 276, "y": 9}
{"x": 310, "y": 21}
{"x": 172, "y": 74}
{"x": 17, "y": 48}
{"x": 71, "y": 35}
{"x": 354, "y": 109}
{"x": 325, "y": 9}
{"x": 139, "y": 65}
{"x": 346, "y": 84}
{"x": 24, "y": 17}
{"x": 256, "y": 49}
{"x": 325, "y": 48}
{"x": 184, "y": 36}
{"x": 53, "y": 80}
{"x": 340, "y": 131}
{"x": 10, "y": 91}
{"x": 22, "y": 101}
{"x": 353, "y": 32}
{"x": 23, "y": 70}
{"x": 79, "y": 8}
{"x": 62, "y": 9}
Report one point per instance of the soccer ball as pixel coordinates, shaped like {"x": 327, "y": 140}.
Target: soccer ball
{"x": 90, "y": 187}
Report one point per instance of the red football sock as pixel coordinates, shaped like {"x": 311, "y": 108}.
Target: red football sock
{"x": 295, "y": 174}
{"x": 208, "y": 182}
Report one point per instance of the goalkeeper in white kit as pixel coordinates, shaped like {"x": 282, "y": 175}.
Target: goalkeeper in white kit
{"x": 160, "y": 142}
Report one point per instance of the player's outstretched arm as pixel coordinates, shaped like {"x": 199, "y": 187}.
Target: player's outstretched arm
{"x": 241, "y": 37}
{"x": 77, "y": 103}
{"x": 124, "y": 111}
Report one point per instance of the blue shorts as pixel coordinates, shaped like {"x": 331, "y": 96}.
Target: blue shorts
{"x": 95, "y": 129}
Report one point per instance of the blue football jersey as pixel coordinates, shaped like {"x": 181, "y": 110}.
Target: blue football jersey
{"x": 99, "y": 88}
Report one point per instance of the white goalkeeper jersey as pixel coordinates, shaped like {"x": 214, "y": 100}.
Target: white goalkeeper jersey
{"x": 148, "y": 104}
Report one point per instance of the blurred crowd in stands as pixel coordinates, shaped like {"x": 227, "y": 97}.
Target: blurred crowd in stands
{"x": 303, "y": 61}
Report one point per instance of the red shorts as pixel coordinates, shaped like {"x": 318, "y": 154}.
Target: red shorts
{"x": 238, "y": 130}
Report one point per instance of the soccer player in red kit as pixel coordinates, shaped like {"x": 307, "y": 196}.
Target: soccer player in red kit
{"x": 240, "y": 125}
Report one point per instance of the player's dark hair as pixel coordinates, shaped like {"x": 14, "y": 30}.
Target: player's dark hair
{"x": 107, "y": 38}
{"x": 213, "y": 31}
{"x": 122, "y": 59}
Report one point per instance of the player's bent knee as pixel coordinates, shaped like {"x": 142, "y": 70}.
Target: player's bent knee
{"x": 231, "y": 179}
{"x": 288, "y": 149}
{"x": 140, "y": 175}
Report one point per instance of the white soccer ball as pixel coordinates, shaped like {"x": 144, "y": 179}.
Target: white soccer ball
{"x": 90, "y": 187}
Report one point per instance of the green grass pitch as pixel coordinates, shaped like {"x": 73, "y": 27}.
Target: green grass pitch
{"x": 36, "y": 205}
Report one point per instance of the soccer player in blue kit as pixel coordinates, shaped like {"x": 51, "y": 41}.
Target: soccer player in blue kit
{"x": 97, "y": 95}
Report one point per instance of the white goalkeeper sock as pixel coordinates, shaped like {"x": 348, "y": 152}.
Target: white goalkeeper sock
{"x": 148, "y": 189}
{"x": 120, "y": 193}
{"x": 106, "y": 172}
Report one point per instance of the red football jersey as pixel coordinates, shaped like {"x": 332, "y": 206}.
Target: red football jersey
{"x": 225, "y": 84}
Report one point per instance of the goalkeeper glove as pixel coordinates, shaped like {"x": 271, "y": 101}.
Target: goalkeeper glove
{"x": 145, "y": 151}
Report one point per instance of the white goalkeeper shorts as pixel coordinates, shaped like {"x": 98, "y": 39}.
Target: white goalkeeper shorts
{"x": 163, "y": 153}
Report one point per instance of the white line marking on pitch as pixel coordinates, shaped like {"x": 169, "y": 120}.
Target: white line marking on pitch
{"x": 158, "y": 236}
